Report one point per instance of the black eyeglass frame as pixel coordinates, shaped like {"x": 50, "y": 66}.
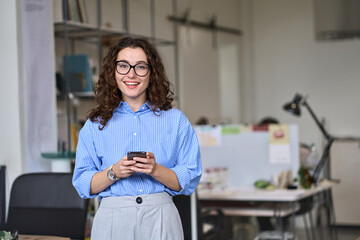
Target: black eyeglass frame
{"x": 132, "y": 66}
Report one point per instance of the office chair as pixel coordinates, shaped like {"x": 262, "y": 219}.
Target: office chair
{"x": 2, "y": 196}
{"x": 211, "y": 217}
{"x": 46, "y": 204}
{"x": 306, "y": 206}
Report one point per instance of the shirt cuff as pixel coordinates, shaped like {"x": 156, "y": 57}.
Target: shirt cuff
{"x": 184, "y": 179}
{"x": 83, "y": 183}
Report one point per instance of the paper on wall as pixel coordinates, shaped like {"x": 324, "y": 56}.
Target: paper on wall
{"x": 208, "y": 136}
{"x": 279, "y": 144}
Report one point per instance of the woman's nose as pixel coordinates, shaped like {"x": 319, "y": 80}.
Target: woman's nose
{"x": 132, "y": 72}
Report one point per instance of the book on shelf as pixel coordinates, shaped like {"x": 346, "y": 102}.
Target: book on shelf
{"x": 77, "y": 5}
{"x": 83, "y": 11}
{"x": 71, "y": 10}
{"x": 68, "y": 14}
{"x": 78, "y": 72}
{"x": 58, "y": 11}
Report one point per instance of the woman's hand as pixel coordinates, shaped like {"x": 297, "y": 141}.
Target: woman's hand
{"x": 162, "y": 174}
{"x": 100, "y": 180}
{"x": 146, "y": 165}
{"x": 123, "y": 168}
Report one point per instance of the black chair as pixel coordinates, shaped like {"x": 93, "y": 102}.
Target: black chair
{"x": 46, "y": 204}
{"x": 211, "y": 217}
{"x": 2, "y": 196}
{"x": 305, "y": 208}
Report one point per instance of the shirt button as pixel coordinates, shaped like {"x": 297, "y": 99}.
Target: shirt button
{"x": 140, "y": 190}
{"x": 134, "y": 134}
{"x": 139, "y": 200}
{"x": 134, "y": 116}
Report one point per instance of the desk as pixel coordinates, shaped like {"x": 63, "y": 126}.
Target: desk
{"x": 38, "y": 237}
{"x": 243, "y": 201}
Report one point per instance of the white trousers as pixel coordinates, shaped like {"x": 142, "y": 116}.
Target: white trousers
{"x": 144, "y": 217}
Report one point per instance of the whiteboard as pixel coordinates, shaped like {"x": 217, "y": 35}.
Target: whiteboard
{"x": 246, "y": 156}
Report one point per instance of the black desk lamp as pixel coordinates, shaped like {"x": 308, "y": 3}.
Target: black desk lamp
{"x": 293, "y": 107}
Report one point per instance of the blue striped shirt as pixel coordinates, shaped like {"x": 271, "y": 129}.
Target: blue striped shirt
{"x": 168, "y": 134}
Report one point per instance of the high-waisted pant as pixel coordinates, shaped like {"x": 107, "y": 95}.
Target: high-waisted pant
{"x": 144, "y": 217}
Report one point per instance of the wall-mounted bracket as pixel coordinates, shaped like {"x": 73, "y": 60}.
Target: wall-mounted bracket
{"x": 210, "y": 26}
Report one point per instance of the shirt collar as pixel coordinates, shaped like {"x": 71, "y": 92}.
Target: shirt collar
{"x": 125, "y": 107}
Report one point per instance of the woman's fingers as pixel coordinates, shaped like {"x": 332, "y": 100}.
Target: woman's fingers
{"x": 145, "y": 165}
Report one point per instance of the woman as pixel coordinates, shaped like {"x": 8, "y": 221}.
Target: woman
{"x": 134, "y": 113}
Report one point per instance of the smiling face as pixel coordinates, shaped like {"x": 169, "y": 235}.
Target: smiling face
{"x": 132, "y": 87}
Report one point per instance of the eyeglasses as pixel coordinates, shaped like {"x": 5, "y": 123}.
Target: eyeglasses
{"x": 141, "y": 69}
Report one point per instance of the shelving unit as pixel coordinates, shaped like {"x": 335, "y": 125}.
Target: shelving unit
{"x": 71, "y": 32}
{"x": 81, "y": 31}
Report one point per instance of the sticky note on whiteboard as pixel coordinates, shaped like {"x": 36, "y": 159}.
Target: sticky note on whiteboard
{"x": 279, "y": 144}
{"x": 209, "y": 136}
{"x": 279, "y": 153}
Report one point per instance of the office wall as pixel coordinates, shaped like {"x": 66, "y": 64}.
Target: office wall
{"x": 199, "y": 84}
{"x": 28, "y": 121}
{"x": 287, "y": 59}
{"x": 210, "y": 62}
{"x": 37, "y": 42}
{"x": 12, "y": 100}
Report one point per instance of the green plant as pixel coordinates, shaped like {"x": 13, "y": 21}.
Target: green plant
{"x": 305, "y": 179}
{"x": 5, "y": 235}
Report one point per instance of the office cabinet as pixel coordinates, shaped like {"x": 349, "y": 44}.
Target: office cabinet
{"x": 345, "y": 166}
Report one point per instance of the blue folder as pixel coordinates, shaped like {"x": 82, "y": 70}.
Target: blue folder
{"x": 77, "y": 73}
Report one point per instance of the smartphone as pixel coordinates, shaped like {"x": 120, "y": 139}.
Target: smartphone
{"x": 141, "y": 154}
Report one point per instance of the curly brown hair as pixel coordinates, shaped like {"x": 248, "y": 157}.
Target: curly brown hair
{"x": 107, "y": 93}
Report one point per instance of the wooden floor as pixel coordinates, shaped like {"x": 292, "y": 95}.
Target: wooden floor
{"x": 248, "y": 230}
{"x": 343, "y": 233}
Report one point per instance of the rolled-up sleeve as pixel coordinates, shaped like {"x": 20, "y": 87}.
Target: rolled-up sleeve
{"x": 188, "y": 161}
{"x": 86, "y": 163}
